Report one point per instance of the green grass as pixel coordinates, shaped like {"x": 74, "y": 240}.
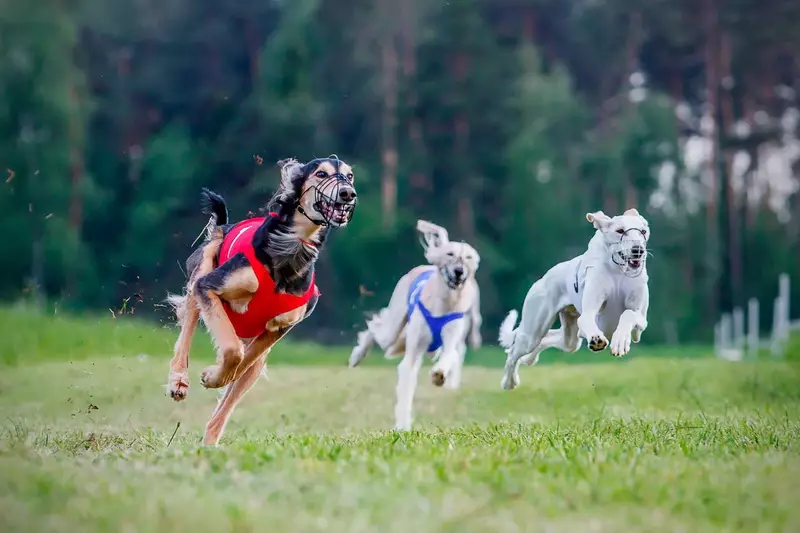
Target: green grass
{"x": 649, "y": 444}
{"x": 27, "y": 336}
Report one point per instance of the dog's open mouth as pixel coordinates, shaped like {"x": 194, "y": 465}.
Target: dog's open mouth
{"x": 337, "y": 213}
{"x": 635, "y": 264}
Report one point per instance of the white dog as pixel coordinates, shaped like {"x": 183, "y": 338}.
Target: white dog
{"x": 432, "y": 310}
{"x": 602, "y": 293}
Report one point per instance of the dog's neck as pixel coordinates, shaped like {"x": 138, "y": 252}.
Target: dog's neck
{"x": 598, "y": 254}
{"x": 451, "y": 298}
{"x": 288, "y": 244}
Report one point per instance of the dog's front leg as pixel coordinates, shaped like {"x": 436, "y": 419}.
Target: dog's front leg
{"x": 594, "y": 296}
{"x": 408, "y": 374}
{"x": 632, "y": 322}
{"x": 178, "y": 380}
{"x": 451, "y": 356}
{"x": 476, "y": 320}
{"x": 453, "y": 380}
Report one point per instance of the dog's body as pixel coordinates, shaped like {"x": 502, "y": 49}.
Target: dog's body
{"x": 433, "y": 309}
{"x": 600, "y": 294}
{"x": 253, "y": 281}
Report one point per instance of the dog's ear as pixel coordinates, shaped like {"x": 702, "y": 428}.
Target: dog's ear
{"x": 433, "y": 236}
{"x": 291, "y": 169}
{"x": 632, "y": 212}
{"x": 598, "y": 219}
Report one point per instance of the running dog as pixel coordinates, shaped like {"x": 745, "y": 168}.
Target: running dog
{"x": 253, "y": 281}
{"x": 432, "y": 310}
{"x": 602, "y": 293}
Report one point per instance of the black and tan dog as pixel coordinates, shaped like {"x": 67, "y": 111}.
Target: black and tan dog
{"x": 251, "y": 282}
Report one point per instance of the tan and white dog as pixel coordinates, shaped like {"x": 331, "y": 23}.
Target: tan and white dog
{"x": 433, "y": 309}
{"x": 599, "y": 294}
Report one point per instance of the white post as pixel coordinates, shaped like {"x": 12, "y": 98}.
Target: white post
{"x": 752, "y": 327}
{"x": 784, "y": 291}
{"x": 726, "y": 332}
{"x": 671, "y": 332}
{"x": 775, "y": 342}
{"x": 738, "y": 328}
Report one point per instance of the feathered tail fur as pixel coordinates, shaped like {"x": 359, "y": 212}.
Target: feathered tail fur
{"x": 507, "y": 331}
{"x": 214, "y": 206}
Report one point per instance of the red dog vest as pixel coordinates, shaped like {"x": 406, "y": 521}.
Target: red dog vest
{"x": 267, "y": 303}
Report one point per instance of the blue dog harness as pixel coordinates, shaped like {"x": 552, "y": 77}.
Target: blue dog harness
{"x": 435, "y": 323}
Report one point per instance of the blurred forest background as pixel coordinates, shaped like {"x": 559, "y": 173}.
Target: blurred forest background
{"x": 504, "y": 120}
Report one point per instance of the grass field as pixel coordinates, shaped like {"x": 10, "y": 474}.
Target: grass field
{"x": 660, "y": 443}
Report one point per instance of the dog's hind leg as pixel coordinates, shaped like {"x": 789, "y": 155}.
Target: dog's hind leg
{"x": 386, "y": 326}
{"x": 234, "y": 277}
{"x": 233, "y": 394}
{"x": 565, "y": 338}
{"x": 257, "y": 351}
{"x": 366, "y": 339}
{"x": 538, "y": 314}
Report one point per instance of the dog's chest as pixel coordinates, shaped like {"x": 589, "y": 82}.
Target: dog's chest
{"x": 612, "y": 309}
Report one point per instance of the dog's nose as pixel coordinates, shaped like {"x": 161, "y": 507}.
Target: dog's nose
{"x": 347, "y": 194}
{"x": 458, "y": 271}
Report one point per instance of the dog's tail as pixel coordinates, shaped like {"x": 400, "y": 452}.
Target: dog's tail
{"x": 214, "y": 206}
{"x": 507, "y": 331}
{"x": 178, "y": 304}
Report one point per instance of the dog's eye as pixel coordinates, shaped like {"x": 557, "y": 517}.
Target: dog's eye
{"x": 450, "y": 254}
{"x": 469, "y": 257}
{"x": 321, "y": 174}
{"x": 350, "y": 177}
{"x": 621, "y": 231}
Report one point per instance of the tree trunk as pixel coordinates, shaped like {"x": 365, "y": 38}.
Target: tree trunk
{"x": 253, "y": 50}
{"x": 732, "y": 205}
{"x": 466, "y": 219}
{"x": 529, "y": 24}
{"x": 388, "y": 131}
{"x": 419, "y": 179}
{"x": 710, "y": 16}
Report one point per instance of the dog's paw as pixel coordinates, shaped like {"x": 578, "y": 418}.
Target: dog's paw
{"x": 475, "y": 340}
{"x": 437, "y": 377}
{"x": 210, "y": 377}
{"x": 510, "y": 381}
{"x": 598, "y": 343}
{"x": 178, "y": 386}
{"x": 530, "y": 359}
{"x": 620, "y": 344}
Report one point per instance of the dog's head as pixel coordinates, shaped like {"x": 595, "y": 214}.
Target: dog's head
{"x": 457, "y": 261}
{"x": 323, "y": 190}
{"x": 626, "y": 237}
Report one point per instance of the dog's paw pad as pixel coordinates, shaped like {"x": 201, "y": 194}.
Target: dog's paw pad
{"x": 437, "y": 377}
{"x": 598, "y": 343}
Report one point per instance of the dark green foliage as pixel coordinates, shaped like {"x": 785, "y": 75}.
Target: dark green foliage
{"x": 511, "y": 120}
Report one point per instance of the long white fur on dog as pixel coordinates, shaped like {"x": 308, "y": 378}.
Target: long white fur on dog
{"x": 598, "y": 294}
{"x": 451, "y": 288}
